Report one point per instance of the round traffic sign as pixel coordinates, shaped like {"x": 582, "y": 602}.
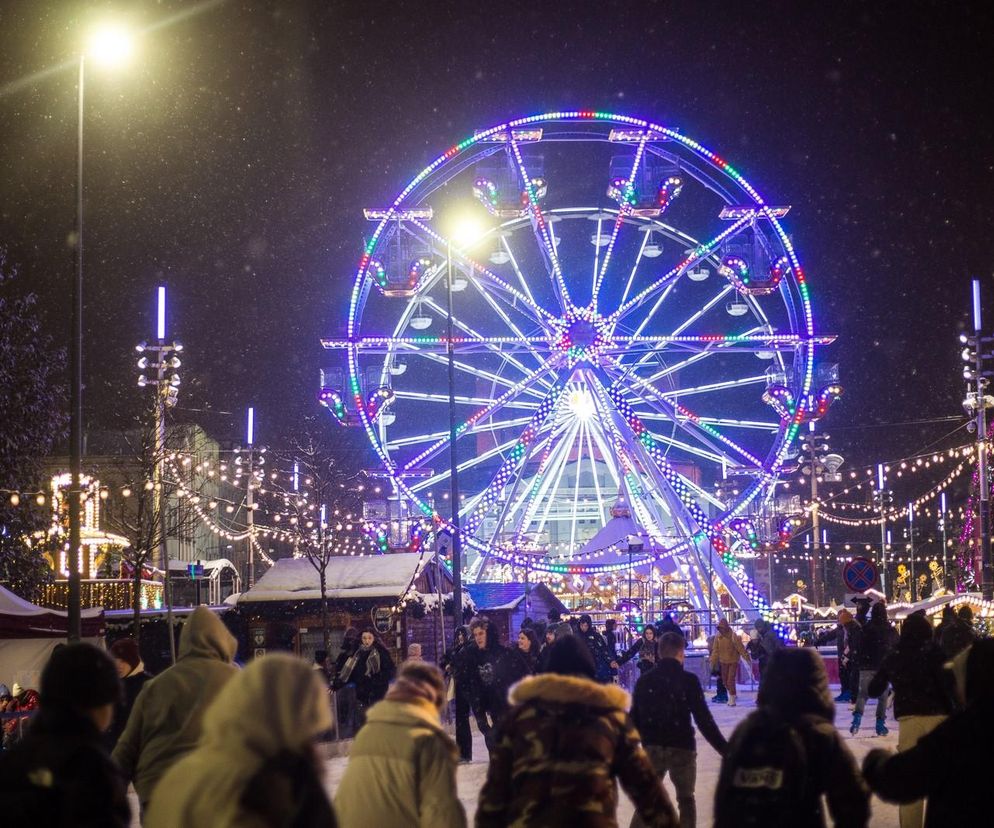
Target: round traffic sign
{"x": 860, "y": 574}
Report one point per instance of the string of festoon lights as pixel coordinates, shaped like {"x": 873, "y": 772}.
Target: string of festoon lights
{"x": 897, "y": 513}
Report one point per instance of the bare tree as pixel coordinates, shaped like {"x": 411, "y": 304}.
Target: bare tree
{"x": 138, "y": 512}
{"x": 316, "y": 488}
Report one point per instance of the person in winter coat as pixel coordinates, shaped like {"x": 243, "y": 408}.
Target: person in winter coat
{"x": 370, "y": 668}
{"x": 165, "y": 722}
{"x": 847, "y": 636}
{"x": 643, "y": 648}
{"x": 22, "y": 700}
{"x": 726, "y": 652}
{"x": 668, "y": 625}
{"x": 794, "y": 702}
{"x": 762, "y": 648}
{"x": 921, "y": 701}
{"x": 879, "y": 638}
{"x": 497, "y": 668}
{"x": 60, "y": 774}
{"x": 459, "y": 664}
{"x": 611, "y": 636}
{"x": 530, "y": 650}
{"x": 950, "y": 766}
{"x": 255, "y": 763}
{"x": 402, "y": 766}
{"x": 558, "y": 627}
{"x": 604, "y": 659}
{"x": 959, "y": 634}
{"x": 664, "y": 700}
{"x": 561, "y": 747}
{"x": 947, "y": 619}
{"x": 131, "y": 669}
{"x": 345, "y": 690}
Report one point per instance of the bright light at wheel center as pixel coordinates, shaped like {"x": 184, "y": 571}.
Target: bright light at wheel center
{"x": 110, "y": 45}
{"x": 466, "y": 231}
{"x": 582, "y": 405}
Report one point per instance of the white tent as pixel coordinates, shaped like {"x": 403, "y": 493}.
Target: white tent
{"x": 29, "y": 633}
{"x": 611, "y": 543}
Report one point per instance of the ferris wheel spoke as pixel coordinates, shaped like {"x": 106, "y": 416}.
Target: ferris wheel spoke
{"x": 623, "y": 211}
{"x": 540, "y": 315}
{"x": 709, "y": 350}
{"x": 635, "y": 267}
{"x": 758, "y": 425}
{"x": 711, "y": 387}
{"x": 557, "y": 478}
{"x": 505, "y": 400}
{"x": 517, "y": 269}
{"x": 514, "y": 461}
{"x": 540, "y": 481}
{"x": 403, "y": 442}
{"x": 702, "y": 251}
{"x": 480, "y": 373}
{"x": 542, "y": 230}
{"x": 520, "y": 493}
{"x": 464, "y": 466}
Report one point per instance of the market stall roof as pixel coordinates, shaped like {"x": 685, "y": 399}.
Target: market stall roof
{"x": 19, "y": 618}
{"x": 492, "y": 596}
{"x": 370, "y": 576}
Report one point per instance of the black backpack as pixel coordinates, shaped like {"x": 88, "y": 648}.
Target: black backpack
{"x": 764, "y": 777}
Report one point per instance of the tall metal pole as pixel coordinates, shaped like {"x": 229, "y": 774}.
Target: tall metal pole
{"x": 76, "y": 388}
{"x": 816, "y": 586}
{"x": 883, "y": 530}
{"x": 945, "y": 562}
{"x": 249, "y": 510}
{"x": 984, "y": 512}
{"x": 911, "y": 544}
{"x": 453, "y": 453}
{"x": 160, "y": 490}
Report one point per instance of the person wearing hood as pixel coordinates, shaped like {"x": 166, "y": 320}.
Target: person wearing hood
{"x": 561, "y": 749}
{"x": 459, "y": 664}
{"x": 165, "y": 722}
{"x": 556, "y": 624}
{"x": 604, "y": 659}
{"x": 949, "y": 767}
{"x": 60, "y": 774}
{"x": 787, "y": 754}
{"x": 667, "y": 624}
{"x": 402, "y": 766}
{"x": 370, "y": 667}
{"x": 726, "y": 652}
{"x": 879, "y": 638}
{"x": 921, "y": 701}
{"x": 254, "y": 764}
{"x": 497, "y": 668}
{"x": 762, "y": 648}
{"x": 131, "y": 670}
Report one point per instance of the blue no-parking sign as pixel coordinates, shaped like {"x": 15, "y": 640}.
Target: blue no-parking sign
{"x": 860, "y": 574}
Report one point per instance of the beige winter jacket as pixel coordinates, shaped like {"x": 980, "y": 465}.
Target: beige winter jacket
{"x": 258, "y": 733}
{"x": 727, "y": 649}
{"x": 401, "y": 771}
{"x": 165, "y": 722}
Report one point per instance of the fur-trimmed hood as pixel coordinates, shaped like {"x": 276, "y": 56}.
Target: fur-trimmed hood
{"x": 551, "y": 687}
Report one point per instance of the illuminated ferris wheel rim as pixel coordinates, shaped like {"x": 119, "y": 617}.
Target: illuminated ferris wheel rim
{"x": 804, "y": 346}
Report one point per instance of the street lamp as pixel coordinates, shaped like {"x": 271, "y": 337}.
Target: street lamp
{"x": 107, "y": 45}
{"x": 465, "y": 232}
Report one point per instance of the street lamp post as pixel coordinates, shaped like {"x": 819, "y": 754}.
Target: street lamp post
{"x": 249, "y": 503}
{"x": 884, "y": 498}
{"x": 453, "y": 452}
{"x": 108, "y": 45}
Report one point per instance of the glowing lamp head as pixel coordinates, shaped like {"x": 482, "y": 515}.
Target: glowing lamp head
{"x": 466, "y": 231}
{"x": 110, "y": 45}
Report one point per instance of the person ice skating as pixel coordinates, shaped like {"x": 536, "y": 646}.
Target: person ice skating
{"x": 921, "y": 698}
{"x": 131, "y": 670}
{"x": 667, "y": 624}
{"x": 604, "y": 660}
{"x": 165, "y": 721}
{"x": 879, "y": 638}
{"x": 60, "y": 773}
{"x": 402, "y": 766}
{"x": 847, "y": 636}
{"x": 255, "y": 763}
{"x": 611, "y": 636}
{"x": 762, "y": 648}
{"x": 370, "y": 668}
{"x": 530, "y": 650}
{"x": 562, "y": 746}
{"x": 665, "y": 698}
{"x": 787, "y": 755}
{"x": 726, "y": 653}
{"x": 949, "y": 767}
{"x": 497, "y": 668}
{"x": 643, "y": 649}
{"x": 459, "y": 665}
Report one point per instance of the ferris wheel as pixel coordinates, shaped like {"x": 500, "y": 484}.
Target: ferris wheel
{"x": 630, "y": 324}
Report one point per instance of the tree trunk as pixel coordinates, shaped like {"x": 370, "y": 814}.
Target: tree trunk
{"x": 325, "y": 629}
{"x": 136, "y": 603}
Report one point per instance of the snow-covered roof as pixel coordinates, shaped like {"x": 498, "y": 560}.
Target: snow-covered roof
{"x": 371, "y": 576}
{"x": 12, "y": 604}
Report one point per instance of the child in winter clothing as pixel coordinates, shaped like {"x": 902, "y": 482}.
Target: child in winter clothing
{"x": 725, "y": 654}
{"x": 561, "y": 747}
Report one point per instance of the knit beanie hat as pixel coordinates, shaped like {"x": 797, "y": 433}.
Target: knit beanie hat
{"x": 79, "y": 676}
{"x": 126, "y": 650}
{"x": 845, "y": 616}
{"x": 569, "y": 656}
{"x": 418, "y": 681}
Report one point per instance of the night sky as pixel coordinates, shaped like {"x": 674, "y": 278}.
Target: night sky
{"x": 231, "y": 161}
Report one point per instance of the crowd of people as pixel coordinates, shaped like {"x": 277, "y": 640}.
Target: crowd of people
{"x": 206, "y": 743}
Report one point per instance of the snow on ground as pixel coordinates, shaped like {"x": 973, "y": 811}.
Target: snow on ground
{"x": 470, "y": 777}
